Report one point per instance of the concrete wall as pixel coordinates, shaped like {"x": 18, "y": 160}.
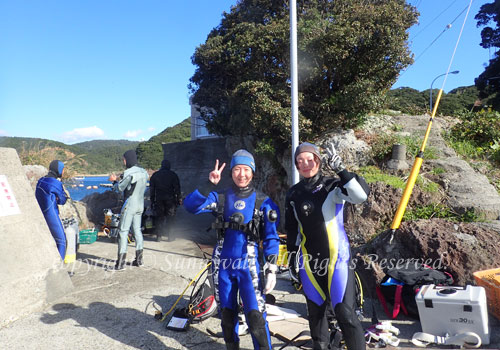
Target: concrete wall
{"x": 194, "y": 160}
{"x": 32, "y": 274}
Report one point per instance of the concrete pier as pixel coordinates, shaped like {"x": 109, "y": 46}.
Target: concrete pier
{"x": 32, "y": 273}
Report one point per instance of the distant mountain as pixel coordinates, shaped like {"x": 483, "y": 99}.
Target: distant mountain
{"x": 91, "y": 157}
{"x": 28, "y": 143}
{"x": 97, "y": 156}
{"x": 412, "y": 101}
{"x": 104, "y": 156}
{"x": 150, "y": 153}
{"x": 100, "y": 144}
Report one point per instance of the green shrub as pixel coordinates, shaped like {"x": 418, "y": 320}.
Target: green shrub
{"x": 465, "y": 148}
{"x": 482, "y": 128}
{"x": 373, "y": 174}
{"x": 265, "y": 148}
{"x": 430, "y": 187}
{"x": 382, "y": 147}
{"x": 438, "y": 171}
{"x": 397, "y": 127}
{"x": 439, "y": 210}
{"x": 495, "y": 151}
{"x": 426, "y": 185}
{"x": 413, "y": 145}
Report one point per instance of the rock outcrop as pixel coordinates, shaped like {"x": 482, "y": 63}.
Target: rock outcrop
{"x": 364, "y": 221}
{"x": 97, "y": 202}
{"x": 70, "y": 209}
{"x": 459, "y": 248}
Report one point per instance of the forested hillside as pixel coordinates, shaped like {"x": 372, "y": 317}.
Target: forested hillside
{"x": 91, "y": 157}
{"x": 412, "y": 101}
{"x": 150, "y": 153}
{"x": 97, "y": 156}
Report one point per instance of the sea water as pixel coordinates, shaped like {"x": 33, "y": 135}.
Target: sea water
{"x": 80, "y": 187}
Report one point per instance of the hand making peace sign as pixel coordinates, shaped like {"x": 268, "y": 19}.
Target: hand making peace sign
{"x": 214, "y": 175}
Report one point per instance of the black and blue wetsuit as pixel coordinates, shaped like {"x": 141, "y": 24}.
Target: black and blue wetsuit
{"x": 314, "y": 223}
{"x": 236, "y": 264}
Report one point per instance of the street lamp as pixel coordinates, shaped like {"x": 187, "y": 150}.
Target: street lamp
{"x": 430, "y": 93}
{"x": 492, "y": 78}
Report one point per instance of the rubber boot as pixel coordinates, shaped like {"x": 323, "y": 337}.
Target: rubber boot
{"x": 120, "y": 262}
{"x": 233, "y": 346}
{"x": 319, "y": 345}
{"x": 138, "y": 258}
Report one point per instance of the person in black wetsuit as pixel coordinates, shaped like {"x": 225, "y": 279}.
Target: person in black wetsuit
{"x": 165, "y": 194}
{"x": 317, "y": 242}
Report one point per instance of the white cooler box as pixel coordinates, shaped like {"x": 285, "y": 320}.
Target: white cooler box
{"x": 453, "y": 310}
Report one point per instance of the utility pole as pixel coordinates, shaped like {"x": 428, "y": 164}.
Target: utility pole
{"x": 294, "y": 87}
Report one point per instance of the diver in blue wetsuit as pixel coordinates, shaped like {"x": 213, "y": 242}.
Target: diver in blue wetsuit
{"x": 314, "y": 225}
{"x": 235, "y": 265}
{"x": 49, "y": 193}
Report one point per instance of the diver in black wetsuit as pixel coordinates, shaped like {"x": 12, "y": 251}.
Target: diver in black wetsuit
{"x": 315, "y": 232}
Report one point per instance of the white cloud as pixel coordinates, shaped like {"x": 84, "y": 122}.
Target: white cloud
{"x": 3, "y": 132}
{"x": 83, "y": 134}
{"x": 151, "y": 128}
{"x": 131, "y": 134}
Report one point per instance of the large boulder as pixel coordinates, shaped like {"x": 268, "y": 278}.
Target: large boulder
{"x": 355, "y": 153}
{"x": 34, "y": 173}
{"x": 364, "y": 221}
{"x": 71, "y": 209}
{"x": 97, "y": 202}
{"x": 459, "y": 248}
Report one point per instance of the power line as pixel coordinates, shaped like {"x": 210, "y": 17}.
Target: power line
{"x": 448, "y": 26}
{"x": 435, "y": 18}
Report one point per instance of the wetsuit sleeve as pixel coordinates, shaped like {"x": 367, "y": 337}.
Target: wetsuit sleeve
{"x": 123, "y": 183}
{"x": 353, "y": 188}
{"x": 152, "y": 188}
{"x": 61, "y": 197}
{"x": 270, "y": 238}
{"x": 177, "y": 189}
{"x": 197, "y": 203}
{"x": 291, "y": 226}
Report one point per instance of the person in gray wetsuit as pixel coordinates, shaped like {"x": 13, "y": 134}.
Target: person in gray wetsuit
{"x": 132, "y": 184}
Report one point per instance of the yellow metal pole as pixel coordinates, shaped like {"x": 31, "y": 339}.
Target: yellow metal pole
{"x": 418, "y": 160}
{"x": 414, "y": 171}
{"x": 407, "y": 193}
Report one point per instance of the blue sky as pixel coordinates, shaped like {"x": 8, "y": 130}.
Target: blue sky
{"x": 433, "y": 41}
{"x": 75, "y": 70}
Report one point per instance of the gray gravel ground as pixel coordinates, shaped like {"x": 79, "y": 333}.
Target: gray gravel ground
{"x": 114, "y": 310}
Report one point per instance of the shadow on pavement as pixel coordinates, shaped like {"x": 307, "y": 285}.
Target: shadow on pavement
{"x": 128, "y": 326}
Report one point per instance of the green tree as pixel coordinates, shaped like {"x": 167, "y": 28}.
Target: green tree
{"x": 488, "y": 82}
{"x": 411, "y": 101}
{"x": 350, "y": 53}
{"x": 407, "y": 100}
{"x": 458, "y": 100}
